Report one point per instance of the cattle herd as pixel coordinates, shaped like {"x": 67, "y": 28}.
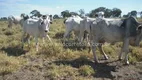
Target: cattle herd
{"x": 95, "y": 30}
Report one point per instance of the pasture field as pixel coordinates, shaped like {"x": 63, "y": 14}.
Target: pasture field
{"x": 59, "y": 61}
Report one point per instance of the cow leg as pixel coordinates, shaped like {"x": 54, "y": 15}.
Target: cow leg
{"x": 120, "y": 55}
{"x": 66, "y": 35}
{"x": 94, "y": 49}
{"x": 49, "y": 38}
{"x": 28, "y": 37}
{"x": 23, "y": 33}
{"x": 125, "y": 49}
{"x": 89, "y": 46}
{"x": 36, "y": 40}
{"x": 94, "y": 53}
{"x": 77, "y": 35}
{"x": 102, "y": 52}
{"x": 81, "y": 36}
{"x": 88, "y": 42}
{"x": 126, "y": 58}
{"x": 43, "y": 39}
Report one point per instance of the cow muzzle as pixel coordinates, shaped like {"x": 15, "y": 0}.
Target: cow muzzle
{"x": 46, "y": 31}
{"x": 50, "y": 22}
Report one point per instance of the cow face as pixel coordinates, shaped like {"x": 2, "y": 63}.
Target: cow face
{"x": 45, "y": 22}
{"x": 139, "y": 35}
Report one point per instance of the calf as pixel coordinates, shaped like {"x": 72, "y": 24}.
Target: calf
{"x": 37, "y": 28}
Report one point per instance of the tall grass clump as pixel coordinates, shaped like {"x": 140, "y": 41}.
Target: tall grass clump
{"x": 10, "y": 64}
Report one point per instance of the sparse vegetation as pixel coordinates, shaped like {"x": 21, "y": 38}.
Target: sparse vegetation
{"x": 86, "y": 70}
{"x": 54, "y": 61}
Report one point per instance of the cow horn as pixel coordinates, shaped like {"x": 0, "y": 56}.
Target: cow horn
{"x": 139, "y": 27}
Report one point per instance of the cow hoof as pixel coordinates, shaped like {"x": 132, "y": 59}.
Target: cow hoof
{"x": 96, "y": 62}
{"x": 127, "y": 63}
{"x": 106, "y": 58}
{"x": 120, "y": 59}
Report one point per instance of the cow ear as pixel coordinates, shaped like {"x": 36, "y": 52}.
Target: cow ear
{"x": 44, "y": 16}
{"x": 139, "y": 27}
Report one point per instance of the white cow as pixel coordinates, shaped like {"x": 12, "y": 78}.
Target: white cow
{"x": 111, "y": 31}
{"x": 16, "y": 20}
{"x": 86, "y": 23}
{"x": 100, "y": 14}
{"x": 72, "y": 24}
{"x": 85, "y": 27}
{"x": 37, "y": 28}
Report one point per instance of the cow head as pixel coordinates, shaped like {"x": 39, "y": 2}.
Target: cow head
{"x": 44, "y": 23}
{"x": 100, "y": 14}
{"x": 139, "y": 35}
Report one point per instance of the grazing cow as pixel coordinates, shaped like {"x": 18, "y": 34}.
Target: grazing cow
{"x": 16, "y": 20}
{"x": 72, "y": 24}
{"x": 37, "y": 28}
{"x": 128, "y": 31}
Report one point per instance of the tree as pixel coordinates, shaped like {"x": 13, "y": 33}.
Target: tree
{"x": 3, "y": 18}
{"x": 65, "y": 13}
{"x": 35, "y": 13}
{"x": 82, "y": 12}
{"x": 125, "y": 16}
{"x": 108, "y": 13}
{"x": 133, "y": 13}
{"x": 87, "y": 14}
{"x": 56, "y": 16}
{"x": 141, "y": 14}
{"x": 129, "y": 13}
{"x": 93, "y": 12}
{"x": 73, "y": 13}
{"x": 116, "y": 12}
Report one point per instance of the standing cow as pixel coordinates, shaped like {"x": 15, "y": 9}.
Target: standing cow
{"x": 16, "y": 20}
{"x": 72, "y": 24}
{"x": 85, "y": 28}
{"x": 86, "y": 23}
{"x": 128, "y": 31}
{"x": 37, "y": 28}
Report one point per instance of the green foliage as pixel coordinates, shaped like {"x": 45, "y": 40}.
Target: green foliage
{"x": 56, "y": 16}
{"x": 35, "y": 13}
{"x": 82, "y": 12}
{"x": 115, "y": 12}
{"x": 65, "y": 13}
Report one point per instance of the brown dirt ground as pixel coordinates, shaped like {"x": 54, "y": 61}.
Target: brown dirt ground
{"x": 105, "y": 70}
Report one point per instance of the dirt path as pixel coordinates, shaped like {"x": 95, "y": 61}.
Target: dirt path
{"x": 37, "y": 67}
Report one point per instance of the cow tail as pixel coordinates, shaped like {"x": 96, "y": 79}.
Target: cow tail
{"x": 90, "y": 31}
{"x": 90, "y": 34}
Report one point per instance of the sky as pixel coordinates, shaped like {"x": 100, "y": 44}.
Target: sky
{"x": 16, "y": 7}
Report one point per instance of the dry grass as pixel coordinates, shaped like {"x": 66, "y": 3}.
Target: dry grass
{"x": 73, "y": 62}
